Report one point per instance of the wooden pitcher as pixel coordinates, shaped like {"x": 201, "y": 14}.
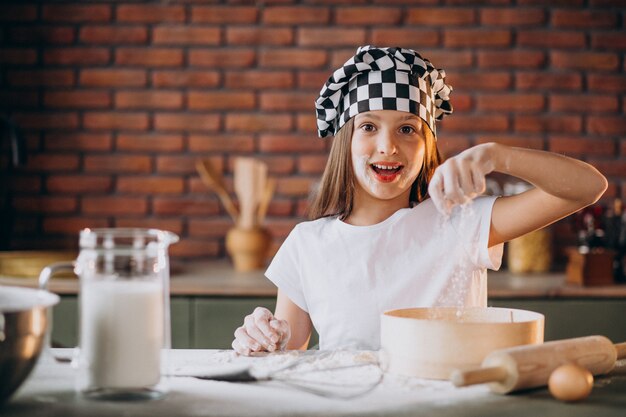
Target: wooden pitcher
{"x": 248, "y": 247}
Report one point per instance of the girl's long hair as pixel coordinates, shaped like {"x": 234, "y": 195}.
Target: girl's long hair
{"x": 335, "y": 194}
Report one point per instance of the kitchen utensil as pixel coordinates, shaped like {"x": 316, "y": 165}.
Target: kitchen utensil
{"x": 266, "y": 198}
{"x": 250, "y": 176}
{"x": 432, "y": 342}
{"x": 124, "y": 312}
{"x": 525, "y": 367}
{"x": 312, "y": 375}
{"x": 214, "y": 181}
{"x": 23, "y": 323}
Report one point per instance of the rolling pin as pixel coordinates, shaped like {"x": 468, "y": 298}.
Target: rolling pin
{"x": 530, "y": 366}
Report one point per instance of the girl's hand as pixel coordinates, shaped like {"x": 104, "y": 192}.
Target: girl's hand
{"x": 461, "y": 178}
{"x": 261, "y": 332}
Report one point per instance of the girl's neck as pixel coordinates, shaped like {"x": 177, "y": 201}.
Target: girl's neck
{"x": 367, "y": 210}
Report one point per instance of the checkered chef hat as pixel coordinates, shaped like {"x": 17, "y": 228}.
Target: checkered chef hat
{"x": 383, "y": 79}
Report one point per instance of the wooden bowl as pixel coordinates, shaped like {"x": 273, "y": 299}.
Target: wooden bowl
{"x": 432, "y": 342}
{"x": 28, "y": 264}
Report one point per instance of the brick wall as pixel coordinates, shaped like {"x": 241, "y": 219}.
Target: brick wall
{"x": 117, "y": 99}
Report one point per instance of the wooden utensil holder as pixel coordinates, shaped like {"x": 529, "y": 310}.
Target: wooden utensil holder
{"x": 248, "y": 248}
{"x": 590, "y": 269}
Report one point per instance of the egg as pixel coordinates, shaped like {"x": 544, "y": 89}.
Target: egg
{"x": 570, "y": 382}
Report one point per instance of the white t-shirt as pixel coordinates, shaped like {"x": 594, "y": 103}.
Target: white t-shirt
{"x": 346, "y": 276}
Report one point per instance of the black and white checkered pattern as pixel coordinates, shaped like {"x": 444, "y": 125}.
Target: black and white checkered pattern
{"x": 383, "y": 79}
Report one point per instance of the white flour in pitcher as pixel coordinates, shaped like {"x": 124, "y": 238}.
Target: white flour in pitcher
{"x": 122, "y": 333}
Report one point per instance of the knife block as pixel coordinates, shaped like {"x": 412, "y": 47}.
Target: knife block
{"x": 590, "y": 269}
{"x": 248, "y": 247}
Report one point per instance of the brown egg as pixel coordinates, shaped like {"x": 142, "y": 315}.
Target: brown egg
{"x": 570, "y": 382}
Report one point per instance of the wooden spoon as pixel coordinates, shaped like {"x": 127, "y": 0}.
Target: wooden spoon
{"x": 215, "y": 182}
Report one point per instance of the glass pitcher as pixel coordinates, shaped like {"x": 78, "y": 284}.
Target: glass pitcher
{"x": 124, "y": 336}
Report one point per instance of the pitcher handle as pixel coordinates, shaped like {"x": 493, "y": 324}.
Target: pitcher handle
{"x": 50, "y": 270}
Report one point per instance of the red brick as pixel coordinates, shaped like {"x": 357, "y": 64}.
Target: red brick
{"x": 511, "y": 59}
{"x": 52, "y": 162}
{"x": 330, "y": 37}
{"x": 153, "y": 57}
{"x": 474, "y": 123}
{"x": 186, "y": 122}
{"x": 11, "y": 100}
{"x": 221, "y": 100}
{"x": 511, "y": 140}
{"x": 48, "y": 120}
{"x": 581, "y": 146}
{"x": 295, "y": 186}
{"x": 254, "y": 122}
{"x": 114, "y": 205}
{"x": 209, "y": 227}
{"x": 614, "y": 168}
{"x": 313, "y": 79}
{"x": 114, "y": 120}
{"x": 72, "y": 225}
{"x": 277, "y": 165}
{"x": 77, "y": 13}
{"x": 512, "y": 17}
{"x": 150, "y": 99}
{"x": 419, "y": 37}
{"x": 293, "y": 58}
{"x": 584, "y": 103}
{"x": 441, "y": 16}
{"x": 548, "y": 81}
{"x": 455, "y": 38}
{"x": 511, "y": 102}
{"x": 584, "y": 60}
{"x": 150, "y": 185}
{"x": 171, "y": 225}
{"x": 221, "y": 143}
{"x": 18, "y": 56}
{"x": 150, "y": 142}
{"x": 185, "y": 206}
{"x": 606, "y": 125}
{"x": 176, "y": 164}
{"x": 548, "y": 123}
{"x": 45, "y": 204}
{"x": 78, "y": 184}
{"x": 150, "y": 13}
{"x": 312, "y": 164}
{"x": 26, "y": 184}
{"x": 185, "y": 78}
{"x": 259, "y": 79}
{"x": 50, "y": 78}
{"x": 78, "y": 141}
{"x": 551, "y": 39}
{"x": 18, "y": 13}
{"x": 117, "y": 35}
{"x": 449, "y": 59}
{"x": 481, "y": 2}
{"x": 306, "y": 123}
{"x": 479, "y": 81}
{"x": 295, "y": 15}
{"x": 42, "y": 35}
{"x": 280, "y": 207}
{"x": 224, "y": 14}
{"x": 289, "y": 143}
{"x": 222, "y": 58}
{"x": 560, "y": 3}
{"x": 76, "y": 56}
{"x": 77, "y": 99}
{"x": 190, "y": 248}
{"x": 462, "y": 103}
{"x": 113, "y": 77}
{"x": 259, "y": 36}
{"x": 608, "y": 3}
{"x": 583, "y": 19}
{"x": 367, "y": 16}
{"x": 280, "y": 228}
{"x": 186, "y": 35}
{"x": 116, "y": 163}
{"x": 607, "y": 83}
{"x": 608, "y": 40}
{"x": 287, "y": 101}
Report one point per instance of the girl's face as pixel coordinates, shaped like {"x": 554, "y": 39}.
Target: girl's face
{"x": 387, "y": 153}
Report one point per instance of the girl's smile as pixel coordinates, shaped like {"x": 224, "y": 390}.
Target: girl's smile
{"x": 386, "y": 171}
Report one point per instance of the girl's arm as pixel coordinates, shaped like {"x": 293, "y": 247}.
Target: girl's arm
{"x": 298, "y": 319}
{"x": 562, "y": 186}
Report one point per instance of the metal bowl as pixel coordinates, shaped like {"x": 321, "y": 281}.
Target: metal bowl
{"x": 23, "y": 322}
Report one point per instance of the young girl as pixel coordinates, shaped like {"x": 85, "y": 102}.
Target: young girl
{"x": 376, "y": 241}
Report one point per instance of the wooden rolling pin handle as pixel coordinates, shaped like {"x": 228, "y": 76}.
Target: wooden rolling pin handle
{"x": 620, "y": 349}
{"x": 478, "y": 376}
